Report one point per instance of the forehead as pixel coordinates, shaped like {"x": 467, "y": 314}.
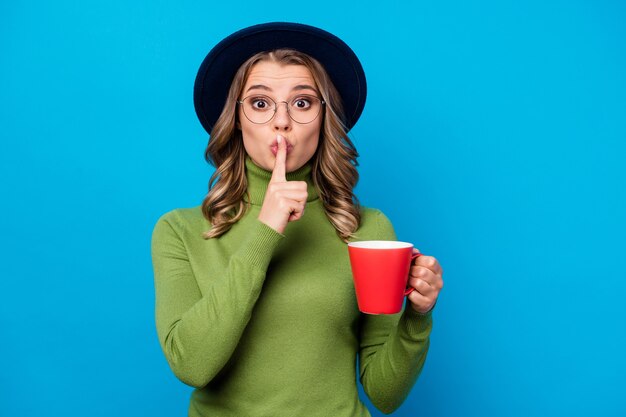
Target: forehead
{"x": 275, "y": 75}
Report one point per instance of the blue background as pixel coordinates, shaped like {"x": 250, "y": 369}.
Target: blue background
{"x": 493, "y": 137}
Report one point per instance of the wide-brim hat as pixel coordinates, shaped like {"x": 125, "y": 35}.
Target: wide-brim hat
{"x": 222, "y": 62}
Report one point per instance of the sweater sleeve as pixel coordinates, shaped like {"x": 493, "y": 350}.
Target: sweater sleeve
{"x": 198, "y": 332}
{"x": 393, "y": 348}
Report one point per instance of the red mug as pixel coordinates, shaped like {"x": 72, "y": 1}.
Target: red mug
{"x": 380, "y": 269}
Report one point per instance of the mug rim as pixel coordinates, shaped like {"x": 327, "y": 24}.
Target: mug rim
{"x": 380, "y": 244}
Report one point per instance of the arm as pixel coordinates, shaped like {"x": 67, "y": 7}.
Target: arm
{"x": 393, "y": 348}
{"x": 199, "y": 332}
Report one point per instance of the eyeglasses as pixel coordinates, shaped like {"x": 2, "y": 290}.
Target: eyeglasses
{"x": 261, "y": 109}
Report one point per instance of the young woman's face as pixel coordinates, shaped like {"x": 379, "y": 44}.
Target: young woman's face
{"x": 281, "y": 83}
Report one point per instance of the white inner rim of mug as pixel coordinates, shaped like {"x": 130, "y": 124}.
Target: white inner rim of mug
{"x": 380, "y": 244}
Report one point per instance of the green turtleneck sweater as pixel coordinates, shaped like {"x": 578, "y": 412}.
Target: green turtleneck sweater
{"x": 267, "y": 324}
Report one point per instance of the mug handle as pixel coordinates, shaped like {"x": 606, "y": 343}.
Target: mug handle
{"x": 409, "y": 290}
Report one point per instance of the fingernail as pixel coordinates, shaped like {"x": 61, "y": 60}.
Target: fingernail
{"x": 279, "y": 139}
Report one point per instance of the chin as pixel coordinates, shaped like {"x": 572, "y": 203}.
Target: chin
{"x": 291, "y": 166}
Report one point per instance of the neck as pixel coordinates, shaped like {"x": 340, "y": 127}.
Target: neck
{"x": 259, "y": 178}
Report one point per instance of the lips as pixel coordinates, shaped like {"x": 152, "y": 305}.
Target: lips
{"x": 274, "y": 146}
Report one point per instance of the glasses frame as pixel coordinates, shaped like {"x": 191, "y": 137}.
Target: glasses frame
{"x": 322, "y": 103}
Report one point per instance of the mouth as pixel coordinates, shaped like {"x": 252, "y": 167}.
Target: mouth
{"x": 274, "y": 147}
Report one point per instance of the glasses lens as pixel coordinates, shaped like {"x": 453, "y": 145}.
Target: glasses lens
{"x": 261, "y": 109}
{"x": 304, "y": 109}
{"x": 258, "y": 109}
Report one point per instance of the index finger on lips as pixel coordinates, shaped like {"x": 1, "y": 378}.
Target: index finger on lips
{"x": 278, "y": 173}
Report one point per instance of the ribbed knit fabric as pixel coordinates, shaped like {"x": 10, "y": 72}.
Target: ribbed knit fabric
{"x": 267, "y": 324}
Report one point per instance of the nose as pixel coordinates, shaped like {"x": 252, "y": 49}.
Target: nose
{"x": 281, "y": 120}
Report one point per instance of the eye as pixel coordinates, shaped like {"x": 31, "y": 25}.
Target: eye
{"x": 301, "y": 103}
{"x": 259, "y": 103}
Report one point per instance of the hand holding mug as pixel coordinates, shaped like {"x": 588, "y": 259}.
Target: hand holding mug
{"x": 385, "y": 272}
{"x": 380, "y": 269}
{"x": 284, "y": 200}
{"x": 426, "y": 277}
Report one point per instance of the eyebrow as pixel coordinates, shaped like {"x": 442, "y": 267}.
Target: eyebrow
{"x": 296, "y": 88}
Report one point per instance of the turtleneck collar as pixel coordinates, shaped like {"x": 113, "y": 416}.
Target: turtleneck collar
{"x": 259, "y": 178}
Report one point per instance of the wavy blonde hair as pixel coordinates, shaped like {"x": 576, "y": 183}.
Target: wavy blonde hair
{"x": 333, "y": 164}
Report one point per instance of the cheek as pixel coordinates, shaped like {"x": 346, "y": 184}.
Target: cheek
{"x": 312, "y": 145}
{"x": 313, "y": 136}
{"x": 311, "y": 141}
{"x": 249, "y": 140}
{"x": 249, "y": 132}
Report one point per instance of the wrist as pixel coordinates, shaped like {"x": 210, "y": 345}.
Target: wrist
{"x": 272, "y": 223}
{"x": 423, "y": 313}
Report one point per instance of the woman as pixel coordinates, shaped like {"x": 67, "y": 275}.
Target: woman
{"x": 255, "y": 305}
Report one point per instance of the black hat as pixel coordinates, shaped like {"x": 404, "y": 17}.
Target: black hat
{"x": 218, "y": 69}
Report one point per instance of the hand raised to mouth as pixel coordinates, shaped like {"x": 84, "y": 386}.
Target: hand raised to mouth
{"x": 284, "y": 200}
